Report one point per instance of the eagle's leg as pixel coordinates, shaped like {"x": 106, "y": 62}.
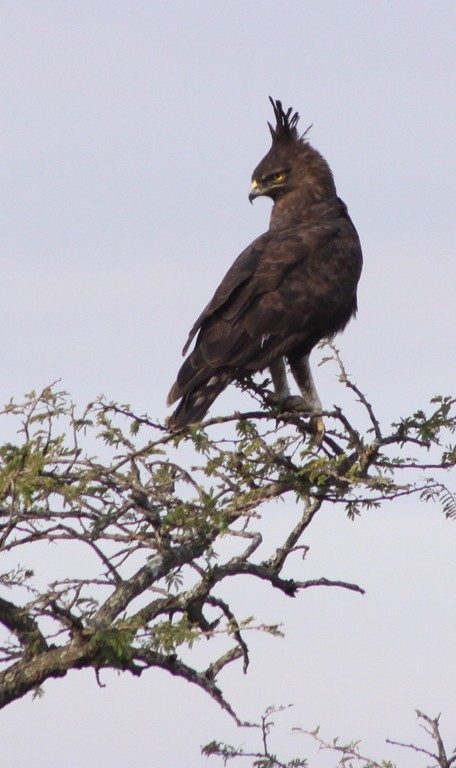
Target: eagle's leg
{"x": 302, "y": 374}
{"x": 279, "y": 378}
{"x": 282, "y": 392}
{"x": 300, "y": 368}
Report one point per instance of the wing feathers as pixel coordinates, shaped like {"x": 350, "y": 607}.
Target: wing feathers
{"x": 284, "y": 293}
{"x": 195, "y": 404}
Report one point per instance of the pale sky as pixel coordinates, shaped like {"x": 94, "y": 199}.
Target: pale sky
{"x": 128, "y": 136}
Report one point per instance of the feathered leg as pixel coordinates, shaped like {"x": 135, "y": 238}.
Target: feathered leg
{"x": 279, "y": 378}
{"x": 302, "y": 374}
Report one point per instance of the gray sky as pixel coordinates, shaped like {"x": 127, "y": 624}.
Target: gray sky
{"x": 129, "y": 133}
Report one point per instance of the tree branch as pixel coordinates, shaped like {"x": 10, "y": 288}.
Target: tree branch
{"x": 20, "y": 623}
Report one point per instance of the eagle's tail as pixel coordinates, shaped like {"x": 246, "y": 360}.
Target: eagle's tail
{"x": 195, "y": 404}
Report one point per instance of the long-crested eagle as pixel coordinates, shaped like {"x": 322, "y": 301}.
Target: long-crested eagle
{"x": 293, "y": 286}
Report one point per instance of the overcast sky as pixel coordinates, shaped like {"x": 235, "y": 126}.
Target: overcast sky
{"x": 129, "y": 133}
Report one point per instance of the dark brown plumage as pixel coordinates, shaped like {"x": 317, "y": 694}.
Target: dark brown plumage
{"x": 293, "y": 286}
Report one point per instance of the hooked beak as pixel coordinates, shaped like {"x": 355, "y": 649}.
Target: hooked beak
{"x": 255, "y": 191}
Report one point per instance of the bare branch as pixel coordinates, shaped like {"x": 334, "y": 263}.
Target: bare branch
{"x": 18, "y": 621}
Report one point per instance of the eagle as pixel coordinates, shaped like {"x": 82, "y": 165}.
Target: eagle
{"x": 293, "y": 286}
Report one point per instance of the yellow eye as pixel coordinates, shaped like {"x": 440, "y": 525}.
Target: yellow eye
{"x": 279, "y": 176}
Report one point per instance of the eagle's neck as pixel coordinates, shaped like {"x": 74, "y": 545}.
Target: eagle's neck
{"x": 293, "y": 208}
{"x": 312, "y": 183}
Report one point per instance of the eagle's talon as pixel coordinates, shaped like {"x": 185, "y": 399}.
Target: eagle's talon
{"x": 295, "y": 403}
{"x": 289, "y": 403}
{"x": 318, "y": 429}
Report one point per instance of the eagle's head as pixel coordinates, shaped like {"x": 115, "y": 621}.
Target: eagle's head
{"x": 291, "y": 163}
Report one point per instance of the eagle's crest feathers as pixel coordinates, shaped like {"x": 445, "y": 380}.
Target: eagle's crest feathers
{"x": 286, "y": 123}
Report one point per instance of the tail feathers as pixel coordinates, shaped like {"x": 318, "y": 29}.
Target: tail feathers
{"x": 195, "y": 404}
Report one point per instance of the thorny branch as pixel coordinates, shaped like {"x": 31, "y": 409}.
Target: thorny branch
{"x": 348, "y": 754}
{"x": 432, "y": 728}
{"x": 166, "y": 522}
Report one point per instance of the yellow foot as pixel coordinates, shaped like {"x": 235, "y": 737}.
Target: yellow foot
{"x": 318, "y": 429}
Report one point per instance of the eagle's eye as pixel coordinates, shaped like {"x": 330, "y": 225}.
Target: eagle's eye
{"x": 279, "y": 176}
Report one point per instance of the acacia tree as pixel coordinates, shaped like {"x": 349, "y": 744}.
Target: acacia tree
{"x": 158, "y": 521}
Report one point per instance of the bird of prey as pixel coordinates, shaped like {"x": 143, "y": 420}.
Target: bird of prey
{"x": 293, "y": 286}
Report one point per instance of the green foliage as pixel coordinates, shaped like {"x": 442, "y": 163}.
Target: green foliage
{"x": 113, "y": 647}
{"x": 425, "y": 428}
{"x": 158, "y": 536}
{"x": 168, "y": 635}
{"x": 441, "y": 494}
